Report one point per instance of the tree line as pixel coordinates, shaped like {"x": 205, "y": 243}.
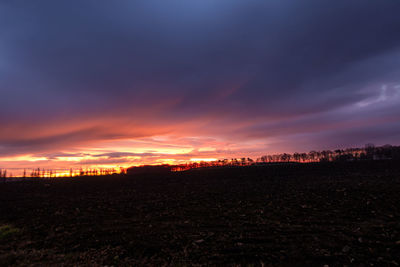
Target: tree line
{"x": 50, "y": 173}
{"x": 369, "y": 152}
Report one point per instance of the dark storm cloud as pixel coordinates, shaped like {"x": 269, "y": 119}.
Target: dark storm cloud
{"x": 285, "y": 67}
{"x": 53, "y": 156}
{"x": 112, "y": 155}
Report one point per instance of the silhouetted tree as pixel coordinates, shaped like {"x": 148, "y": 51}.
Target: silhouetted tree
{"x": 369, "y": 150}
{"x": 2, "y": 176}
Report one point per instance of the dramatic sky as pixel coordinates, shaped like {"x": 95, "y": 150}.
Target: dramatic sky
{"x": 119, "y": 83}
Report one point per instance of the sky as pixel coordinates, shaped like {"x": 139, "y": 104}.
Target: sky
{"x": 97, "y": 83}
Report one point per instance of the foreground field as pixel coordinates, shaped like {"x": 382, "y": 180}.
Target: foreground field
{"x": 311, "y": 215}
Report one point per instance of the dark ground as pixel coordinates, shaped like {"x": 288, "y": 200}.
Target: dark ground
{"x": 292, "y": 215}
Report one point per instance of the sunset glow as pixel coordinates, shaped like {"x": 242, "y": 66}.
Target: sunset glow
{"x": 131, "y": 83}
{"x": 203, "y": 159}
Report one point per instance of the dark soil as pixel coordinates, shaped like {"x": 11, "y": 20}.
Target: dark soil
{"x": 281, "y": 215}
